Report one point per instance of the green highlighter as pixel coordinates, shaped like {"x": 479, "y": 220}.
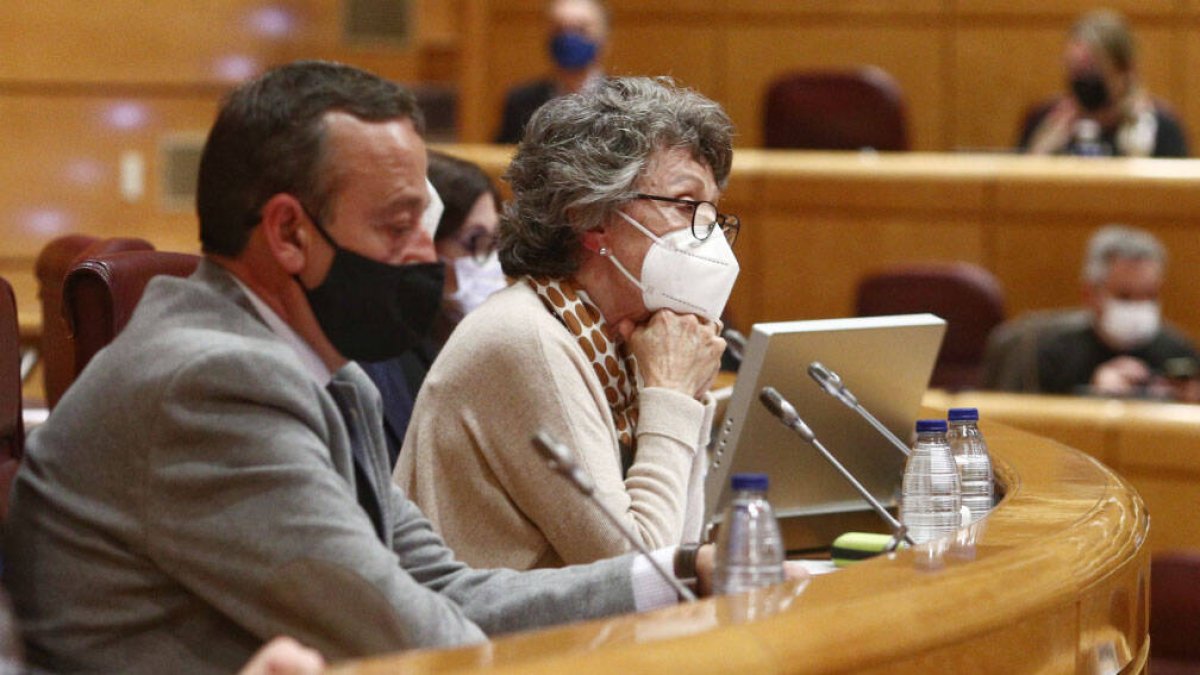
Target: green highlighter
{"x": 852, "y": 547}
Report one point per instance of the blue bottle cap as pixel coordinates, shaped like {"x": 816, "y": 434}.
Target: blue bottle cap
{"x": 750, "y": 481}
{"x": 931, "y": 425}
{"x": 963, "y": 414}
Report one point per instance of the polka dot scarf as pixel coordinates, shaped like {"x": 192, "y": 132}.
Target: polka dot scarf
{"x": 616, "y": 370}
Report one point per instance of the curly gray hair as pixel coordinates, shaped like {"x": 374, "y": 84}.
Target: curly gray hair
{"x": 1119, "y": 242}
{"x": 582, "y": 155}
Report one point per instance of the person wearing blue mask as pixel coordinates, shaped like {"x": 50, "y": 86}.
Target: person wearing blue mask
{"x": 577, "y": 36}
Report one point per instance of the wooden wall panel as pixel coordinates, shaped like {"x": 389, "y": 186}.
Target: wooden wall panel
{"x": 1187, "y": 96}
{"x": 61, "y": 174}
{"x": 810, "y": 263}
{"x": 1063, "y": 8}
{"x": 759, "y": 54}
{"x": 969, "y": 68}
{"x": 687, "y": 50}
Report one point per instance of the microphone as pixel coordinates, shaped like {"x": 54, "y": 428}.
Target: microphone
{"x": 786, "y": 413}
{"x": 560, "y": 460}
{"x": 832, "y": 384}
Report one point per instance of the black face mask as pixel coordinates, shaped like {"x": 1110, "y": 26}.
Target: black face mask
{"x": 1091, "y": 91}
{"x": 373, "y": 311}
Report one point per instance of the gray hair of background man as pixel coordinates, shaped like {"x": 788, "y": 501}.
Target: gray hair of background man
{"x": 600, "y": 5}
{"x": 1119, "y": 242}
{"x": 581, "y": 158}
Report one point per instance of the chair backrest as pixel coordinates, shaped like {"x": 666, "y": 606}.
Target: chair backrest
{"x": 1175, "y": 611}
{"x": 967, "y": 296}
{"x": 1010, "y": 358}
{"x": 12, "y": 427}
{"x": 101, "y": 292}
{"x": 836, "y": 110}
{"x": 53, "y": 263}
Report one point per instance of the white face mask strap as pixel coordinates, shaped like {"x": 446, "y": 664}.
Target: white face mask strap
{"x": 632, "y": 279}
{"x": 642, "y": 228}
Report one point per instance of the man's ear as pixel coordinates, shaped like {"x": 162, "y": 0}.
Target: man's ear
{"x": 283, "y": 227}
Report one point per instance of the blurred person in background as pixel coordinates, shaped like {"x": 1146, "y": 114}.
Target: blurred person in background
{"x": 466, "y": 235}
{"x": 577, "y": 34}
{"x": 1127, "y": 349}
{"x": 1106, "y": 110}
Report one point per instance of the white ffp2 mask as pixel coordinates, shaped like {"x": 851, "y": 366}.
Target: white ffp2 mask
{"x": 477, "y": 280}
{"x": 684, "y": 274}
{"x": 1130, "y": 324}
{"x": 432, "y": 215}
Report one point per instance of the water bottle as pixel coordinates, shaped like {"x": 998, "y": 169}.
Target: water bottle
{"x": 930, "y": 499}
{"x": 974, "y": 465}
{"x": 1087, "y": 140}
{"x": 749, "y": 548}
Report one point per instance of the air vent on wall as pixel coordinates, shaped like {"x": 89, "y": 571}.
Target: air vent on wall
{"x": 179, "y": 165}
{"x": 386, "y": 22}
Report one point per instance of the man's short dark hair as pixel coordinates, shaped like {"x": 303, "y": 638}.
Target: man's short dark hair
{"x": 268, "y": 139}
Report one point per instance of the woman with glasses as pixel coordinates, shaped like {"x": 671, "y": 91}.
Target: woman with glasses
{"x": 466, "y": 236}
{"x": 607, "y": 341}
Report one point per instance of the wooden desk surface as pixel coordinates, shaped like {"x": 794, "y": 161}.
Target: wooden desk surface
{"x": 1056, "y": 581}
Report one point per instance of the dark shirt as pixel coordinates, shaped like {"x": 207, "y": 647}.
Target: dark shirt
{"x": 520, "y": 104}
{"x": 1169, "y": 138}
{"x": 398, "y": 381}
{"x": 1066, "y": 361}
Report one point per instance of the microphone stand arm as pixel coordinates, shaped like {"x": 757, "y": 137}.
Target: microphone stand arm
{"x": 899, "y": 531}
{"x": 884, "y": 431}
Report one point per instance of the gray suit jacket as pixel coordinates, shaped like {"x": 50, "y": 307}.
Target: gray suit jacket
{"x": 193, "y": 495}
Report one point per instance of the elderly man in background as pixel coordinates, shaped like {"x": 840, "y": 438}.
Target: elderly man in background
{"x": 577, "y": 36}
{"x": 218, "y": 476}
{"x": 1126, "y": 349}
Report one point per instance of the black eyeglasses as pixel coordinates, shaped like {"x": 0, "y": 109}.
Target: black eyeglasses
{"x": 480, "y": 245}
{"x": 705, "y": 217}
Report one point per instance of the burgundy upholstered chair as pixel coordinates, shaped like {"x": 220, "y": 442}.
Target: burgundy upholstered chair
{"x": 101, "y": 292}
{"x": 967, "y": 296}
{"x": 12, "y": 426}
{"x": 836, "y": 110}
{"x": 53, "y": 263}
{"x": 1175, "y": 613}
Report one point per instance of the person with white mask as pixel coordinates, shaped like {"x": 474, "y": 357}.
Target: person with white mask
{"x": 1126, "y": 348}
{"x": 608, "y": 339}
{"x": 466, "y": 236}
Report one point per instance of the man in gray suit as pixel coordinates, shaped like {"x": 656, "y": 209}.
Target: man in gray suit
{"x": 218, "y": 475}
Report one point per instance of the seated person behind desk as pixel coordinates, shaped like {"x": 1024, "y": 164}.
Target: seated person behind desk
{"x": 217, "y": 475}
{"x": 1125, "y": 349}
{"x": 1105, "y": 97}
{"x": 577, "y": 31}
{"x": 466, "y": 235}
{"x": 607, "y": 340}
{"x": 465, "y": 240}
